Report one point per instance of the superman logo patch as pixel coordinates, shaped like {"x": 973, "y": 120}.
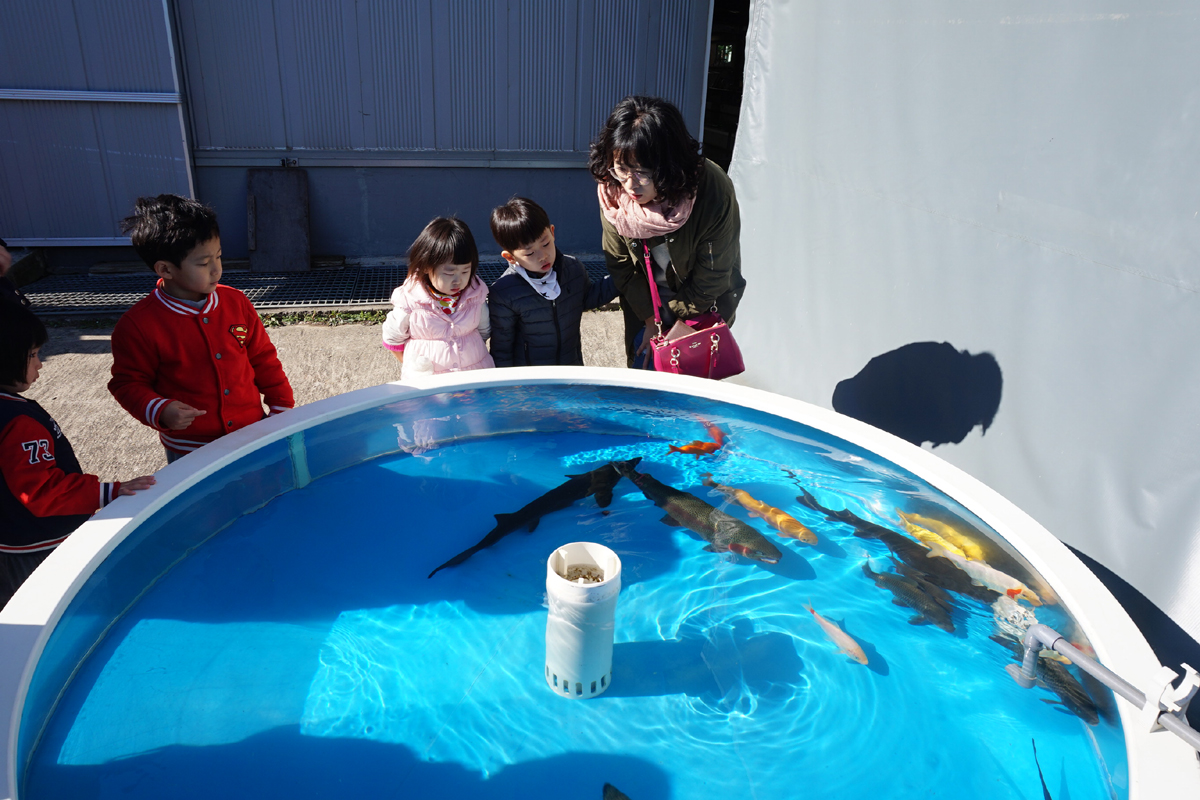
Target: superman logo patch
{"x": 240, "y": 332}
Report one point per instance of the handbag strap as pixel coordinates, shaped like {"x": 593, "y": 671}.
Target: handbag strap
{"x": 653, "y": 290}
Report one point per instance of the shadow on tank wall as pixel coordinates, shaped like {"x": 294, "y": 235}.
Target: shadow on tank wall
{"x": 924, "y": 392}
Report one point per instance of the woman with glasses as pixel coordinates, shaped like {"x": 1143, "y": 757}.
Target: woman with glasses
{"x": 659, "y": 195}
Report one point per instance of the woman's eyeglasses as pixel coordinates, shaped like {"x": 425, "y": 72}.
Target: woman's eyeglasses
{"x": 621, "y": 175}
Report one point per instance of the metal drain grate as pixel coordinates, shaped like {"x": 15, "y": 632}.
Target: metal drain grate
{"x": 347, "y": 287}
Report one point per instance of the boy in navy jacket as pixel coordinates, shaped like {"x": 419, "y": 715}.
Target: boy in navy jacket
{"x": 537, "y": 305}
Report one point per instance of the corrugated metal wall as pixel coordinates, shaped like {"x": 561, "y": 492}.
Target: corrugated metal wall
{"x": 92, "y": 113}
{"x": 89, "y": 117}
{"x": 421, "y": 81}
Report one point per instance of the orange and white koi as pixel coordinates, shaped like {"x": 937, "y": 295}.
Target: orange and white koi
{"x": 788, "y": 526}
{"x": 843, "y": 640}
{"x": 984, "y": 575}
{"x": 951, "y": 533}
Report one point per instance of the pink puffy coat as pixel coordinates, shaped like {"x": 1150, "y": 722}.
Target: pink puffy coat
{"x": 451, "y": 342}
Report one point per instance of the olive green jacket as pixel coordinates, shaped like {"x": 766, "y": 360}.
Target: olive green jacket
{"x": 706, "y": 256}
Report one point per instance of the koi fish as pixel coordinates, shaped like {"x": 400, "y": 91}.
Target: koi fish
{"x": 843, "y": 640}
{"x": 788, "y": 526}
{"x": 697, "y": 448}
{"x": 1057, "y": 678}
{"x": 722, "y": 532}
{"x": 715, "y": 433}
{"x": 969, "y": 547}
{"x": 929, "y": 538}
{"x": 907, "y": 592}
{"x": 984, "y": 575}
{"x": 598, "y": 482}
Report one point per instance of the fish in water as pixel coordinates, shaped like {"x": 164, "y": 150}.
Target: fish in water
{"x": 613, "y": 793}
{"x": 843, "y": 640}
{"x": 1058, "y": 679}
{"x": 1041, "y": 777}
{"x": 950, "y": 533}
{"x": 937, "y": 571}
{"x": 722, "y": 532}
{"x": 862, "y": 528}
{"x": 929, "y": 538}
{"x": 715, "y": 433}
{"x": 906, "y": 592}
{"x": 930, "y": 588}
{"x": 598, "y": 482}
{"x": 697, "y": 448}
{"x": 984, "y": 575}
{"x": 787, "y": 525}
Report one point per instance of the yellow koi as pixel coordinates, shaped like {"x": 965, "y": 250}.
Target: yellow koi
{"x": 929, "y": 538}
{"x": 951, "y": 533}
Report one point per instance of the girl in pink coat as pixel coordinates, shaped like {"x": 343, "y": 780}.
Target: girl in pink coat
{"x": 440, "y": 317}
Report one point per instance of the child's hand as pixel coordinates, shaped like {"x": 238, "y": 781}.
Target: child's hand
{"x": 136, "y": 485}
{"x": 178, "y": 415}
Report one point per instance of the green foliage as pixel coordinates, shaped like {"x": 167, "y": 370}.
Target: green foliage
{"x": 276, "y": 319}
{"x": 329, "y": 318}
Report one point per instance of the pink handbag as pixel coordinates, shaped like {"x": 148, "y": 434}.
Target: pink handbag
{"x": 708, "y": 350}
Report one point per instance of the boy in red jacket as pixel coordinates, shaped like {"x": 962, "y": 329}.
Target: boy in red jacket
{"x": 44, "y": 495}
{"x": 192, "y": 359}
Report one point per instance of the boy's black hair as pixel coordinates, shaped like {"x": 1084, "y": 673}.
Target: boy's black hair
{"x": 20, "y": 332}
{"x": 650, "y": 132}
{"x": 168, "y": 227}
{"x": 445, "y": 240}
{"x": 518, "y": 223}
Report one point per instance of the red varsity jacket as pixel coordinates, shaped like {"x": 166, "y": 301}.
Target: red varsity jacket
{"x": 44, "y": 495}
{"x": 217, "y": 359}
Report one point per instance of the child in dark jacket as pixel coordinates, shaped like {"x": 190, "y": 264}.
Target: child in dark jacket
{"x": 538, "y": 303}
{"x": 44, "y": 495}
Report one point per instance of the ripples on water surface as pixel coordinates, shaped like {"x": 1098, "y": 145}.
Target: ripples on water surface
{"x": 302, "y": 652}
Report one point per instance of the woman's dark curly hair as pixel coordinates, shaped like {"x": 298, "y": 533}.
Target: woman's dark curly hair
{"x": 651, "y": 132}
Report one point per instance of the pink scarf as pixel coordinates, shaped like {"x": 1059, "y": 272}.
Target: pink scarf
{"x": 634, "y": 221}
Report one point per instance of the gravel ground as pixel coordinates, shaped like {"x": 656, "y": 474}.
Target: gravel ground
{"x": 320, "y": 362}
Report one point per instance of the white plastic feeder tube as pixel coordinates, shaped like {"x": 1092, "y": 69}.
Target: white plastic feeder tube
{"x": 579, "y": 629}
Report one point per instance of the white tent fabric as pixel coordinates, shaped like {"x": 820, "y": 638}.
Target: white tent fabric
{"x": 1014, "y": 179}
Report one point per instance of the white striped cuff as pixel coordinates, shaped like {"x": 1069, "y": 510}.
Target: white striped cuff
{"x": 153, "y": 408}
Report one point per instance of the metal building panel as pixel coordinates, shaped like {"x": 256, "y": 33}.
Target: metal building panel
{"x": 542, "y": 75}
{"x": 125, "y": 45}
{"x": 674, "y": 33}
{"x": 232, "y": 73}
{"x": 74, "y": 169}
{"x": 143, "y": 151}
{"x": 101, "y": 45}
{"x": 465, "y": 40}
{"x": 40, "y": 46}
{"x": 318, "y": 58}
{"x": 611, "y": 45}
{"x": 397, "y": 75}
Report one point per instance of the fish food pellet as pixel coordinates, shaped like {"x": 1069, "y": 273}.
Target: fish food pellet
{"x": 585, "y": 574}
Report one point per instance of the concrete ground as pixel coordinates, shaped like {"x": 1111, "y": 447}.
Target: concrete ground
{"x": 320, "y": 362}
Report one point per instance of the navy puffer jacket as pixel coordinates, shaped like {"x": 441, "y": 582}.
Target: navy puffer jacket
{"x": 529, "y": 330}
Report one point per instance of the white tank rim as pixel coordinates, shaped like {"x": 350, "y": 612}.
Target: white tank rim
{"x": 1159, "y": 763}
